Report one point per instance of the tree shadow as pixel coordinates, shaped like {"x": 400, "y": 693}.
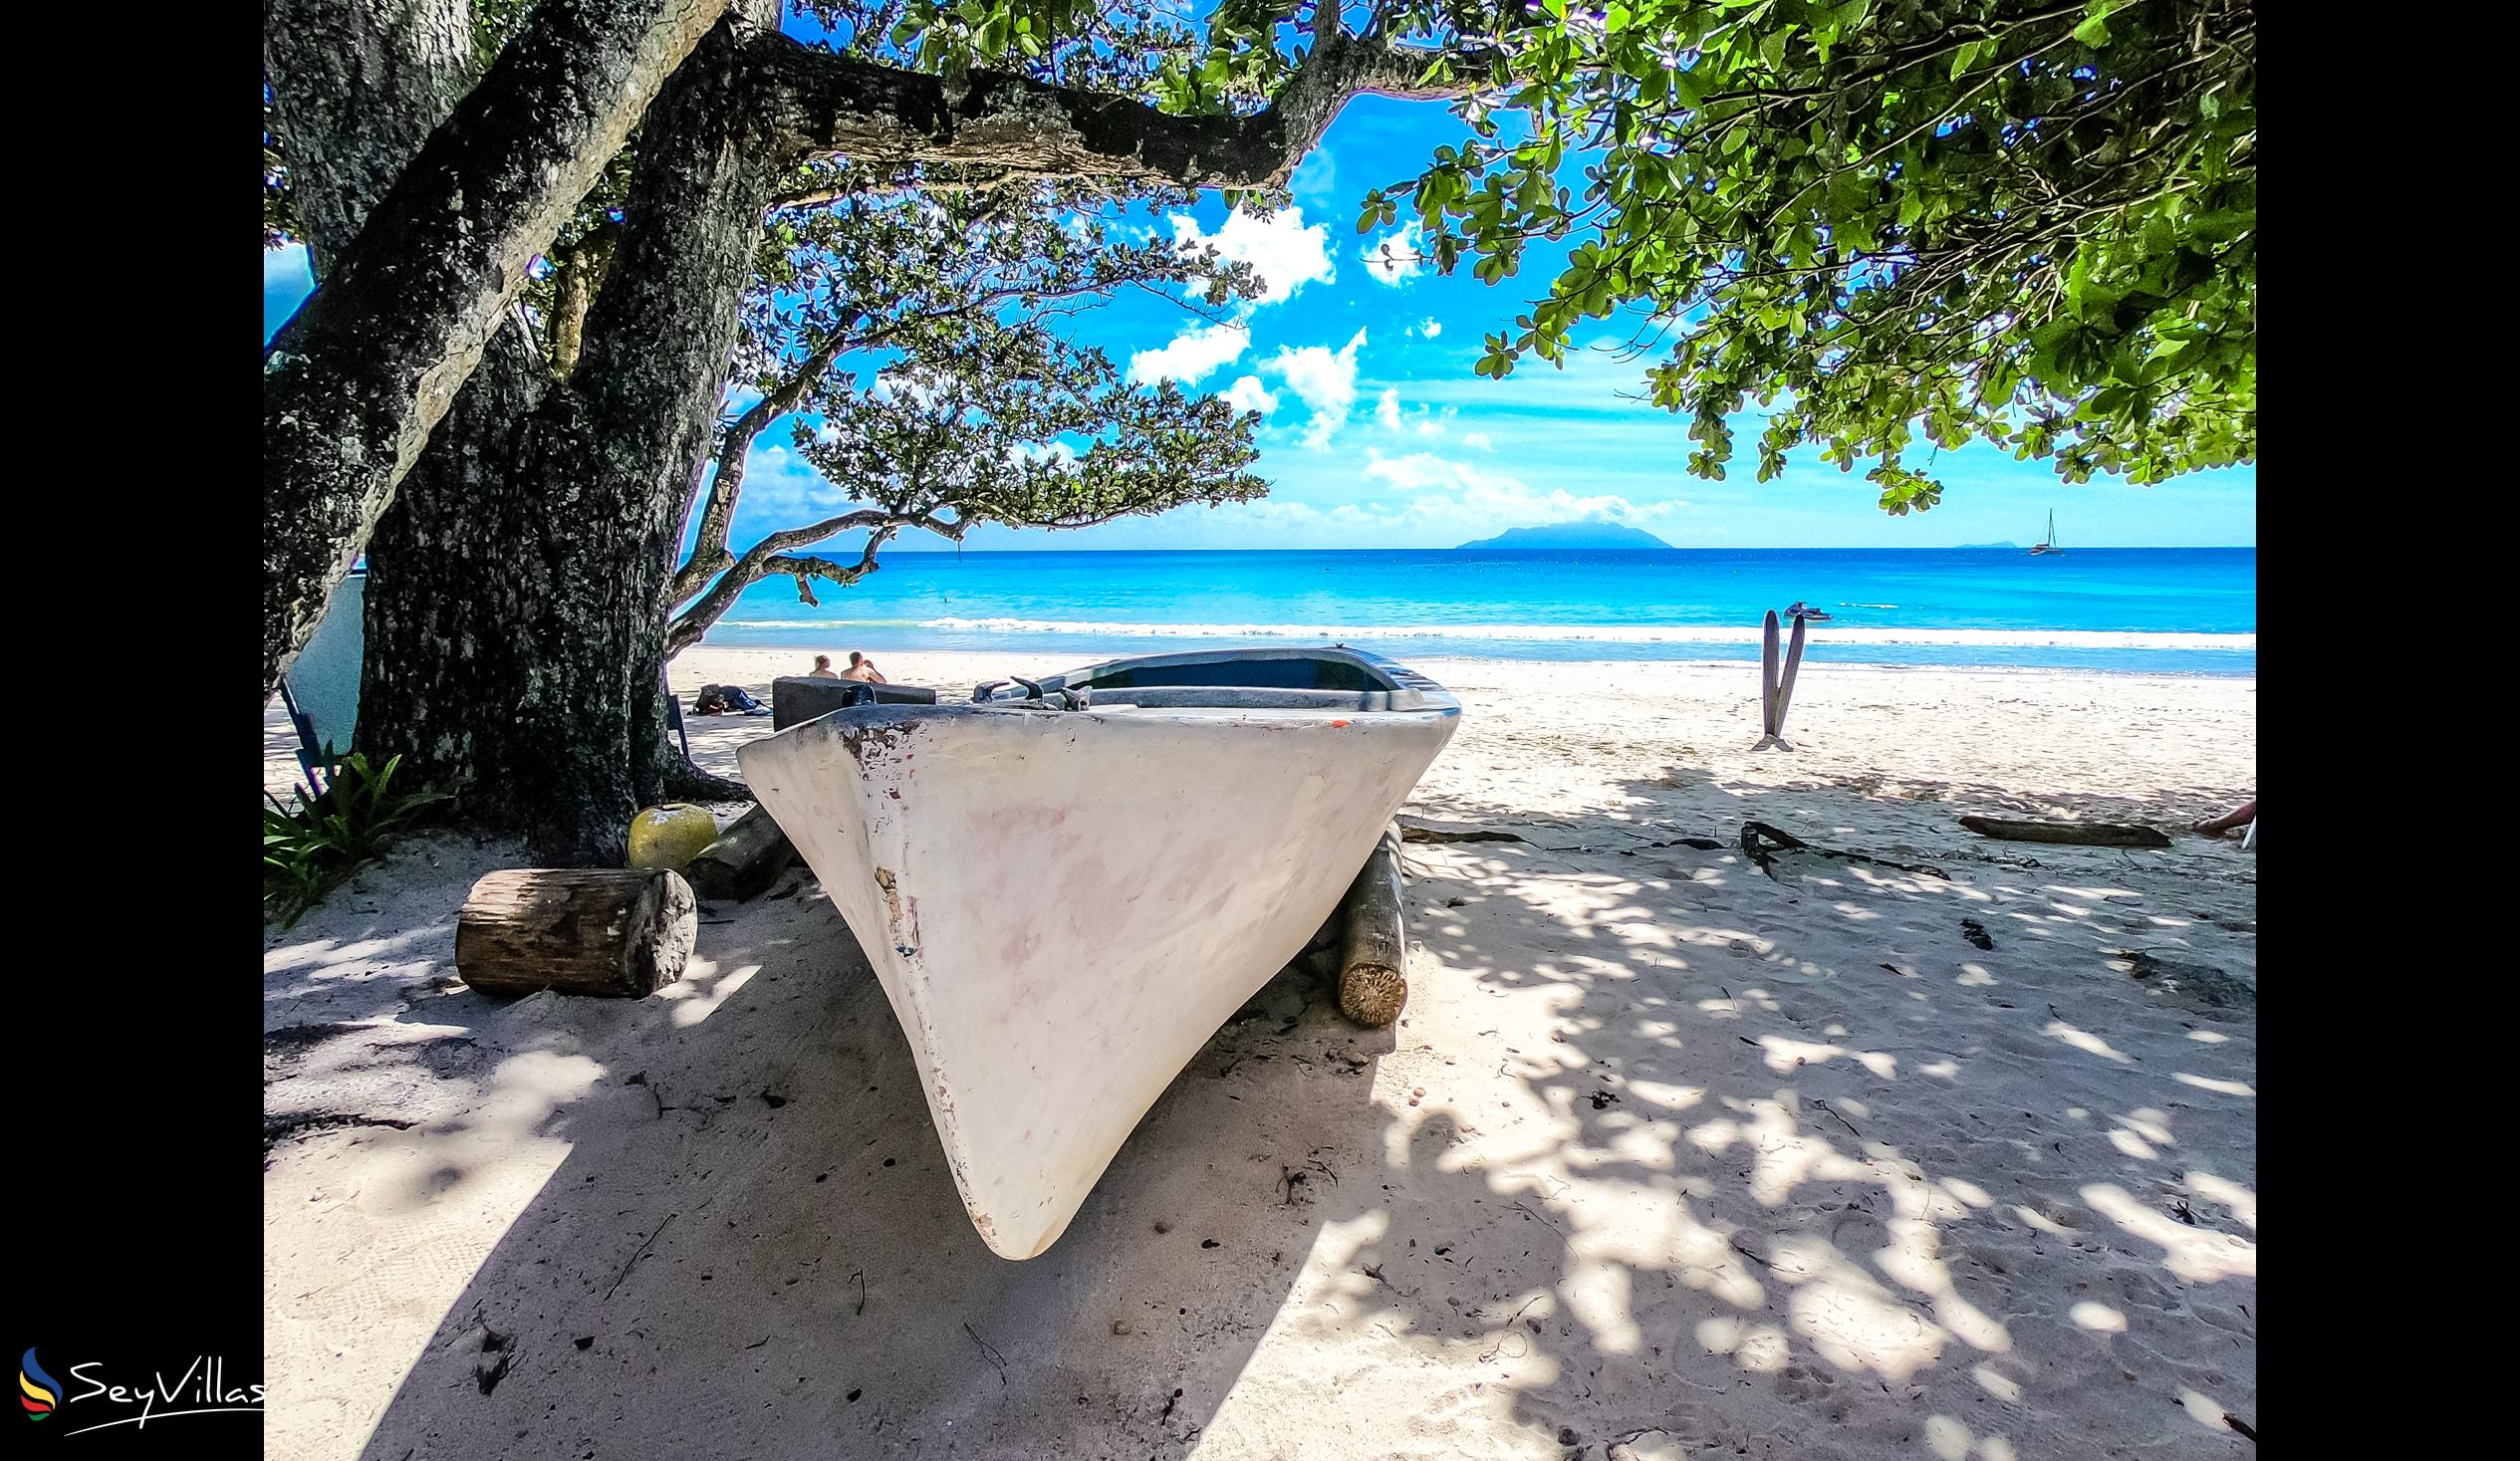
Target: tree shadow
{"x": 1836, "y": 1159}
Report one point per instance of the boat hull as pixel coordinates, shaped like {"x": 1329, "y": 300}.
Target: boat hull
{"x": 1063, "y": 906}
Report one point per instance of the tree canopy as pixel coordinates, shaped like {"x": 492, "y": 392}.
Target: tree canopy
{"x": 2023, "y": 221}
{"x": 909, "y": 326}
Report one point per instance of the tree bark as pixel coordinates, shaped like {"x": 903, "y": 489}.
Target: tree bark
{"x": 613, "y": 456}
{"x": 452, "y": 582}
{"x": 357, "y": 88}
{"x": 354, "y": 383}
{"x": 871, "y": 113}
{"x": 579, "y": 273}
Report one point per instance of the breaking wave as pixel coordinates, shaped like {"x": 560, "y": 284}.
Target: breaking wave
{"x": 1606, "y": 634}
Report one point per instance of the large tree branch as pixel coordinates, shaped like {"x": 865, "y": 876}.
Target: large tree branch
{"x": 709, "y": 555}
{"x": 357, "y": 88}
{"x": 579, "y": 273}
{"x": 880, "y": 114}
{"x": 772, "y": 555}
{"x": 734, "y": 444}
{"x": 368, "y": 366}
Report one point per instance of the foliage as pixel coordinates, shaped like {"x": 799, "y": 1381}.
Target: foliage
{"x": 310, "y": 847}
{"x": 908, "y": 319}
{"x": 1115, "y": 46}
{"x": 982, "y": 430}
{"x": 2028, "y": 221}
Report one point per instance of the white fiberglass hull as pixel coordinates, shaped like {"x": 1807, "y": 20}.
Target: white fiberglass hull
{"x": 1063, "y": 906}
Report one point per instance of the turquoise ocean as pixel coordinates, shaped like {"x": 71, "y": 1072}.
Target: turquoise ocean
{"x": 2178, "y": 610}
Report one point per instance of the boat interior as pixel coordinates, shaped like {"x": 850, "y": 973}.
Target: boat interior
{"x": 1327, "y": 680}
{"x": 1334, "y": 678}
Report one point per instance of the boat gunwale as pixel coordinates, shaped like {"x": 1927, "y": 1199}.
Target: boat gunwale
{"x": 1407, "y": 689}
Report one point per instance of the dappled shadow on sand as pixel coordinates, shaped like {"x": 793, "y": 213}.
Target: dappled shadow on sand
{"x": 1837, "y": 1158}
{"x": 1670, "y": 1153}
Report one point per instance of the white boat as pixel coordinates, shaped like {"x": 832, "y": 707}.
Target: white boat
{"x": 1066, "y": 887}
{"x": 2048, "y": 545}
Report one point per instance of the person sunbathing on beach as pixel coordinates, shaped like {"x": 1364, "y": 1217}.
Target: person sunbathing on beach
{"x": 863, "y": 669}
{"x": 822, "y": 669}
{"x": 2217, "y": 827}
{"x": 727, "y": 700}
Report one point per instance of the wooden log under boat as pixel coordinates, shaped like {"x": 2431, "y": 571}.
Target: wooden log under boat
{"x": 745, "y": 860}
{"x": 1374, "y": 971}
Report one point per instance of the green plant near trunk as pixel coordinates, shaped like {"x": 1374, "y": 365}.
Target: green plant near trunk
{"x": 312, "y": 846}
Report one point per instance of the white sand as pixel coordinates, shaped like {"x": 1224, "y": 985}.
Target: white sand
{"x": 1708, "y": 1163}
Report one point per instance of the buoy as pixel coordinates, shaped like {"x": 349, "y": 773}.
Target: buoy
{"x": 670, "y": 835}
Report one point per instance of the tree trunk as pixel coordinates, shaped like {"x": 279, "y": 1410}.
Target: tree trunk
{"x": 358, "y": 86}
{"x": 452, "y": 583}
{"x": 612, "y": 458}
{"x": 460, "y": 593}
{"x": 354, "y": 383}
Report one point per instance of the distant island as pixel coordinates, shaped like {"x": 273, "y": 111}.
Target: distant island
{"x": 1570, "y": 535}
{"x": 2015, "y": 546}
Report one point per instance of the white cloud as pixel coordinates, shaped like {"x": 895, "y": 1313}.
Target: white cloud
{"x": 1443, "y": 492}
{"x": 1394, "y": 258}
{"x": 779, "y": 481}
{"x": 1280, "y": 249}
{"x": 1433, "y": 327}
{"x": 1248, "y": 394}
{"x": 1324, "y": 380}
{"x": 1193, "y": 354}
{"x": 1477, "y": 439}
{"x": 1425, "y": 420}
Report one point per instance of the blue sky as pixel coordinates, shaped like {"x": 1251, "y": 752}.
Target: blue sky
{"x": 1378, "y": 434}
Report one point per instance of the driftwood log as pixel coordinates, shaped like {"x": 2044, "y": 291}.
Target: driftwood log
{"x": 2083, "y": 834}
{"x": 745, "y": 860}
{"x": 1420, "y": 829}
{"x": 1761, "y": 843}
{"x": 1373, "y": 967}
{"x": 611, "y": 931}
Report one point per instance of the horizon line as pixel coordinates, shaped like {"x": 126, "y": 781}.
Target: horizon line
{"x": 1665, "y": 547}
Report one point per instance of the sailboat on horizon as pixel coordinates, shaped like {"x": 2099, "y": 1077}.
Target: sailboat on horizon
{"x": 2048, "y": 544}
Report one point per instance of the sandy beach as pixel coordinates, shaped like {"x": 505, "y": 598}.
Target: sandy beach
{"x": 1672, "y": 1156}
